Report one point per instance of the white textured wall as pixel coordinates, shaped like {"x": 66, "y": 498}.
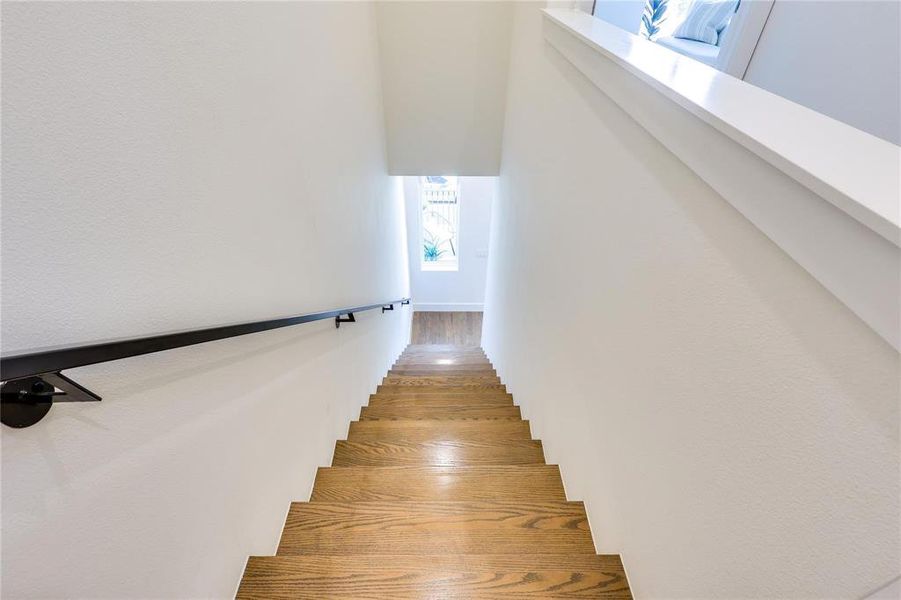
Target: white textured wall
{"x": 170, "y": 166}
{"x": 463, "y": 289}
{"x": 732, "y": 427}
{"x": 839, "y": 57}
{"x": 444, "y": 80}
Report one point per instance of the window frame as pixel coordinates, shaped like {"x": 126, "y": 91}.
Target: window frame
{"x": 741, "y": 37}
{"x": 439, "y": 266}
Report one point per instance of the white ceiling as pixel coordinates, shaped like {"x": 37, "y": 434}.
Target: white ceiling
{"x": 444, "y": 82}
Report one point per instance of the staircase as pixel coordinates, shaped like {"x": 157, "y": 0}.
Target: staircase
{"x": 438, "y": 492}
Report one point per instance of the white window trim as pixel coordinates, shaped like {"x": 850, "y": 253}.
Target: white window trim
{"x": 741, "y": 37}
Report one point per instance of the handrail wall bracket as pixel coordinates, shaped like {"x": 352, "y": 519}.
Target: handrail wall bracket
{"x": 25, "y": 401}
{"x": 350, "y": 319}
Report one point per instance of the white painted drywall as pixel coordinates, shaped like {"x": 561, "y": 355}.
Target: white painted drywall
{"x": 721, "y": 413}
{"x": 840, "y": 57}
{"x": 171, "y": 166}
{"x": 444, "y": 80}
{"x": 464, "y": 289}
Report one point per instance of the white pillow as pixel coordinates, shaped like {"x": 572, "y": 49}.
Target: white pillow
{"x": 706, "y": 20}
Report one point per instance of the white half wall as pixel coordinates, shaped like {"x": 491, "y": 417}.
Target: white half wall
{"x": 464, "y": 289}
{"x": 171, "y": 166}
{"x": 444, "y": 81}
{"x": 722, "y": 414}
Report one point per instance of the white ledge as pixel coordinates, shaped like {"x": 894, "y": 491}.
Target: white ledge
{"x": 853, "y": 170}
{"x": 825, "y": 193}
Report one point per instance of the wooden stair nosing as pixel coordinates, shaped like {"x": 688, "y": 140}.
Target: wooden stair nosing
{"x": 445, "y": 576}
{"x": 447, "y": 453}
{"x": 447, "y": 358}
{"x": 449, "y": 419}
{"x": 439, "y": 412}
{"x": 493, "y": 483}
{"x": 440, "y": 380}
{"x": 437, "y": 430}
{"x": 477, "y": 369}
{"x": 449, "y": 351}
{"x": 437, "y": 367}
{"x": 417, "y": 382}
{"x": 445, "y": 355}
{"x": 453, "y": 347}
{"x": 426, "y": 392}
{"x": 413, "y": 388}
{"x": 438, "y": 400}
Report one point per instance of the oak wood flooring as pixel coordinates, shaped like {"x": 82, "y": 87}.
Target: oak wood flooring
{"x": 464, "y": 328}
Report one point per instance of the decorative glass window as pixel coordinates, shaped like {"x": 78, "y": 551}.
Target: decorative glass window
{"x": 439, "y": 220}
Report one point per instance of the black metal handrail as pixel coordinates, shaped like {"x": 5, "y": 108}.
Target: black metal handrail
{"x": 33, "y": 380}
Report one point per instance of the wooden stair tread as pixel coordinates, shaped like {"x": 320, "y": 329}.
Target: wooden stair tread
{"x": 442, "y": 349}
{"x": 425, "y": 430}
{"x": 510, "y": 483}
{"x": 442, "y": 354}
{"x": 443, "y": 365}
{"x": 461, "y": 562}
{"x": 412, "y": 387}
{"x": 439, "y": 576}
{"x": 442, "y": 392}
{"x": 384, "y": 516}
{"x": 436, "y": 528}
{"x": 454, "y": 347}
{"x": 445, "y": 453}
{"x": 432, "y": 367}
{"x": 442, "y": 359}
{"x": 439, "y": 412}
{"x": 440, "y": 400}
{"x": 446, "y": 355}
{"x": 441, "y": 380}
{"x": 426, "y": 369}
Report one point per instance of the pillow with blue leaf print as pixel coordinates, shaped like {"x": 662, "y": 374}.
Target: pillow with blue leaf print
{"x": 706, "y": 20}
